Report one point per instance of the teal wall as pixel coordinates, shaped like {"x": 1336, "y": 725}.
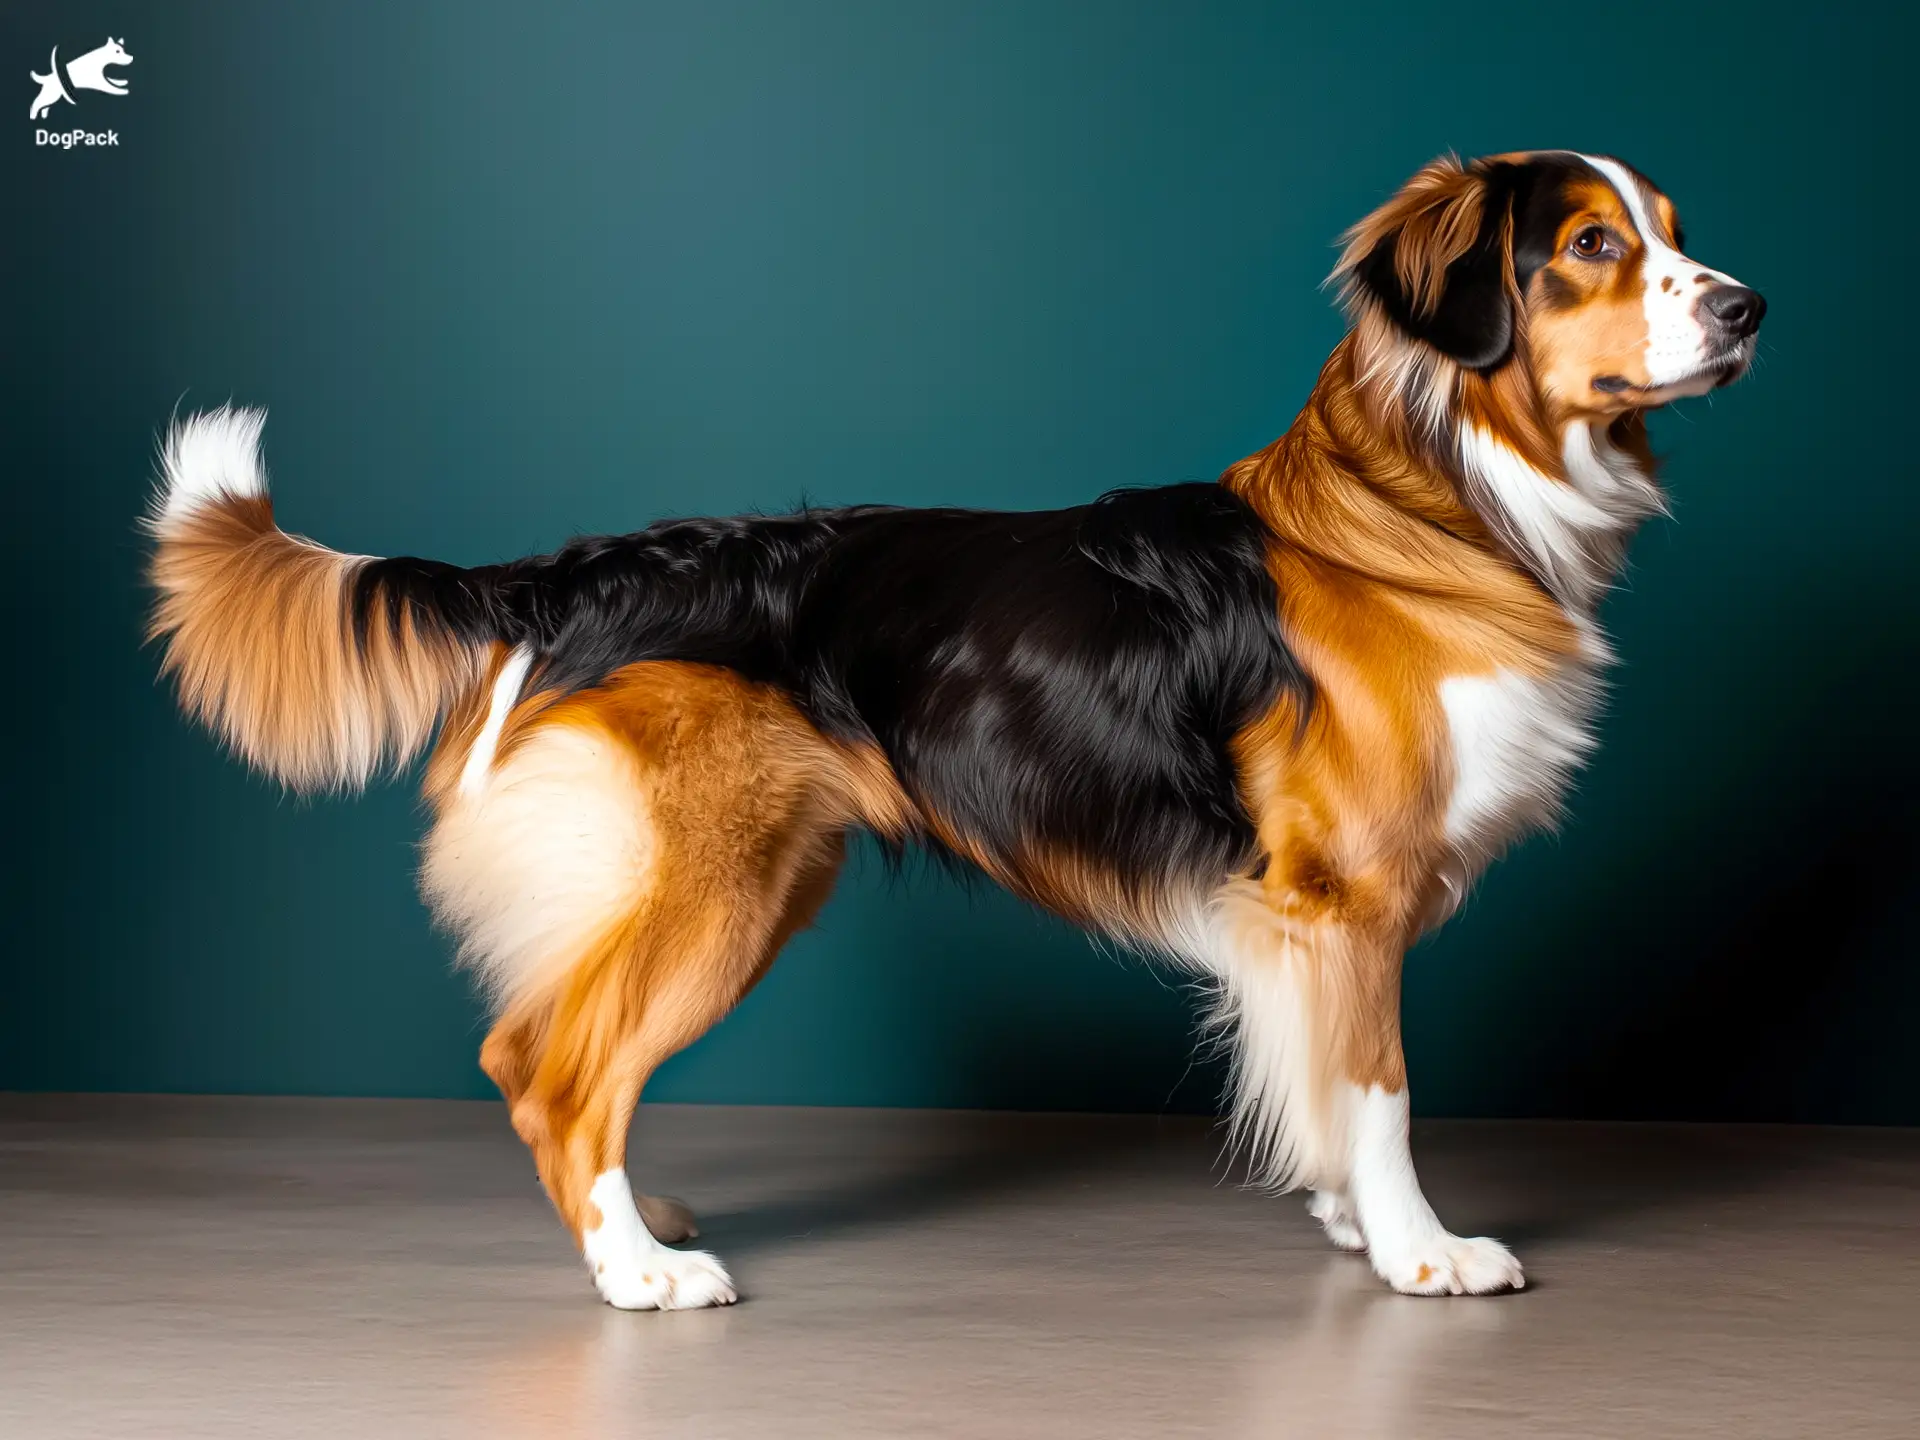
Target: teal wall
{"x": 504, "y": 272}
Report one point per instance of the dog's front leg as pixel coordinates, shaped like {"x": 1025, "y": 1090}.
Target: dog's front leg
{"x": 1319, "y": 1083}
{"x": 1409, "y": 1247}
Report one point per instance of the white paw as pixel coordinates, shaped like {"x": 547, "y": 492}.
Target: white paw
{"x": 663, "y": 1279}
{"x": 1330, "y": 1208}
{"x": 1449, "y": 1265}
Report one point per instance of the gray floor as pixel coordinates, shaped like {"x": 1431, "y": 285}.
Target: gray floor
{"x": 213, "y": 1268}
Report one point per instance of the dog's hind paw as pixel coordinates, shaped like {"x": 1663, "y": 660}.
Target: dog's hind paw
{"x": 1336, "y": 1216}
{"x": 669, "y": 1221}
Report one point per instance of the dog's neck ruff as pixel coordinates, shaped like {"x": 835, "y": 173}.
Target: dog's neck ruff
{"x": 1566, "y": 520}
{"x": 1569, "y": 530}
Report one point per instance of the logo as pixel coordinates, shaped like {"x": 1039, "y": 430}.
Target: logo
{"x": 85, "y": 72}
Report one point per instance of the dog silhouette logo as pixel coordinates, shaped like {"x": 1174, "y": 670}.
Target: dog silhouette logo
{"x": 84, "y": 72}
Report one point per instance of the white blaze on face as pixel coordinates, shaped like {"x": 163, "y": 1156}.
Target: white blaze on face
{"x": 1677, "y": 342}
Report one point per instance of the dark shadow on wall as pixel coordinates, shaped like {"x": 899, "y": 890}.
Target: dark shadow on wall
{"x": 1753, "y": 987}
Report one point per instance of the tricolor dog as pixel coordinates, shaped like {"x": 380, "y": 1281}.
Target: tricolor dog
{"x": 1267, "y": 730}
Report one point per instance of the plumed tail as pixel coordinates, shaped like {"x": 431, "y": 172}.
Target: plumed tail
{"x": 289, "y": 651}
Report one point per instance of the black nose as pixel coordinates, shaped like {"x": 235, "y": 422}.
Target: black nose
{"x": 1737, "y": 308}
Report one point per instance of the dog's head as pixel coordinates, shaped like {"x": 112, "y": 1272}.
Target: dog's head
{"x": 106, "y": 56}
{"x": 1569, "y": 265}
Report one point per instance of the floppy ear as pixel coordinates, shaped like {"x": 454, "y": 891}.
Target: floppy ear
{"x": 1437, "y": 258}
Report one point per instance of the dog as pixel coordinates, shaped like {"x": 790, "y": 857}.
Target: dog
{"x": 1267, "y": 729}
{"x": 87, "y": 72}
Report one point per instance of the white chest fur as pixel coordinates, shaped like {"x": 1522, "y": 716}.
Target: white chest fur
{"x": 1517, "y": 740}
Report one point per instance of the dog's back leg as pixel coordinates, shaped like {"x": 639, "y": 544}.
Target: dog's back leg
{"x": 511, "y": 1051}
{"x": 630, "y": 867}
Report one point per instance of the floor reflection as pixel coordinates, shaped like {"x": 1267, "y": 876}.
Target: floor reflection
{"x": 1362, "y": 1361}
{"x": 591, "y": 1376}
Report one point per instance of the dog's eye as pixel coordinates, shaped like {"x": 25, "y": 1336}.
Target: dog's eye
{"x": 1590, "y": 243}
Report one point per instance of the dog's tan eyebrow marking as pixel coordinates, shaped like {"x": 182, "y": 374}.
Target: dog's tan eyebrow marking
{"x": 1666, "y": 282}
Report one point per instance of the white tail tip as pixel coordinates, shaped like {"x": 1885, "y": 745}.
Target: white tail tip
{"x": 206, "y": 456}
